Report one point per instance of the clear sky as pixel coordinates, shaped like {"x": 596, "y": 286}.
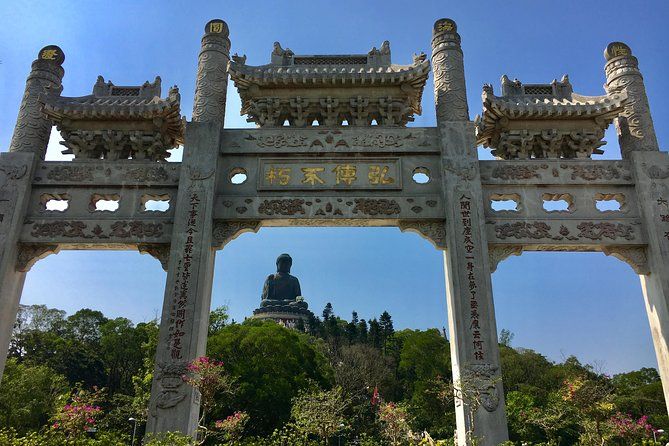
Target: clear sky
{"x": 558, "y": 304}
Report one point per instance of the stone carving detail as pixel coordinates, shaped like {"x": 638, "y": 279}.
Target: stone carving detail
{"x": 484, "y": 379}
{"x": 160, "y": 251}
{"x": 334, "y": 139}
{"x": 434, "y": 231}
{"x": 634, "y": 256}
{"x": 597, "y": 231}
{"x": 172, "y": 390}
{"x": 212, "y": 74}
{"x": 71, "y": 173}
{"x": 130, "y": 121}
{"x": 11, "y": 173}
{"x": 381, "y": 140}
{"x": 146, "y": 174}
{"x": 517, "y": 172}
{"x": 540, "y": 230}
{"x": 497, "y": 253}
{"x": 79, "y": 229}
{"x": 33, "y": 129}
{"x": 544, "y": 120}
{"x": 30, "y": 253}
{"x": 279, "y": 140}
{"x": 289, "y": 206}
{"x": 521, "y": 229}
{"x": 656, "y": 172}
{"x": 370, "y": 206}
{"x": 449, "y": 73}
{"x": 635, "y": 125}
{"x": 384, "y": 93}
{"x": 226, "y": 231}
{"x": 595, "y": 172}
{"x": 466, "y": 171}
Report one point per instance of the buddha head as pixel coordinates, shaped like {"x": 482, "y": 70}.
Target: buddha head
{"x": 283, "y": 263}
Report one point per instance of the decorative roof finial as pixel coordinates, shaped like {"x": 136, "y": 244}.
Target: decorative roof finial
{"x": 617, "y": 49}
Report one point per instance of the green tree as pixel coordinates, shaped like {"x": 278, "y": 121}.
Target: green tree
{"x": 351, "y": 329}
{"x": 218, "y": 318}
{"x": 320, "y": 412}
{"x": 358, "y": 370}
{"x": 28, "y": 395}
{"x": 327, "y": 311}
{"x": 362, "y": 331}
{"x": 374, "y": 337}
{"x": 386, "y": 329}
{"x": 271, "y": 364}
{"x": 424, "y": 358}
{"x": 31, "y": 322}
{"x": 505, "y": 337}
{"x": 85, "y": 326}
{"x": 121, "y": 351}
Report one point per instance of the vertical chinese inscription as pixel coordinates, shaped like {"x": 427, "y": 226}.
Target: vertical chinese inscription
{"x": 470, "y": 262}
{"x": 182, "y": 281}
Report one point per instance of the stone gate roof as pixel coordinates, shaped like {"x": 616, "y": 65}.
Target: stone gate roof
{"x": 136, "y": 118}
{"x": 365, "y": 87}
{"x": 527, "y": 118}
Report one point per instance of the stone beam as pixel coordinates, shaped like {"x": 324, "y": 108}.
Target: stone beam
{"x": 368, "y": 140}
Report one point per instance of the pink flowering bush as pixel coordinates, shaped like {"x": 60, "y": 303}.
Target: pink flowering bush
{"x": 394, "y": 423}
{"x": 626, "y": 427}
{"x": 232, "y": 427}
{"x": 79, "y": 414}
{"x": 208, "y": 376}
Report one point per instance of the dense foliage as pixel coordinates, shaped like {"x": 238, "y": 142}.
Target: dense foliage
{"x": 78, "y": 379}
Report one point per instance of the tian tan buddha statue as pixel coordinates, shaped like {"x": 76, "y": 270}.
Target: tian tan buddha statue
{"x": 281, "y": 289}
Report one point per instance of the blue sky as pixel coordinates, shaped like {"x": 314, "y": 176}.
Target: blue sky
{"x": 559, "y": 304}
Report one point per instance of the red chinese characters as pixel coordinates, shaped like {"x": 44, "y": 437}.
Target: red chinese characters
{"x": 470, "y": 259}
{"x": 182, "y": 282}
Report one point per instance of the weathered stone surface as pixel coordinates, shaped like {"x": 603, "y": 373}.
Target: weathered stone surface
{"x": 118, "y": 122}
{"x": 425, "y": 180}
{"x": 32, "y": 130}
{"x": 471, "y": 312}
{"x": 330, "y": 89}
{"x": 634, "y": 124}
{"x": 545, "y": 120}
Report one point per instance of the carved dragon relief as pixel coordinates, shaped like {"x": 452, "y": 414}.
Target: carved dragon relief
{"x": 432, "y": 230}
{"x": 225, "y": 231}
{"x": 30, "y": 253}
{"x": 172, "y": 389}
{"x": 160, "y": 251}
{"x": 482, "y": 378}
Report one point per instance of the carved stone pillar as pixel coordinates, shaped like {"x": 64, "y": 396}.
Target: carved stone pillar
{"x": 635, "y": 125}
{"x": 174, "y": 406}
{"x": 471, "y": 312}
{"x": 212, "y": 74}
{"x": 32, "y": 130}
{"x": 651, "y": 172}
{"x": 450, "y": 94}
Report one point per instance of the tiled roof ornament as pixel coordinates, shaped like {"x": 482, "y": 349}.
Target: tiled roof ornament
{"x": 545, "y": 120}
{"x": 118, "y": 122}
{"x": 330, "y": 90}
